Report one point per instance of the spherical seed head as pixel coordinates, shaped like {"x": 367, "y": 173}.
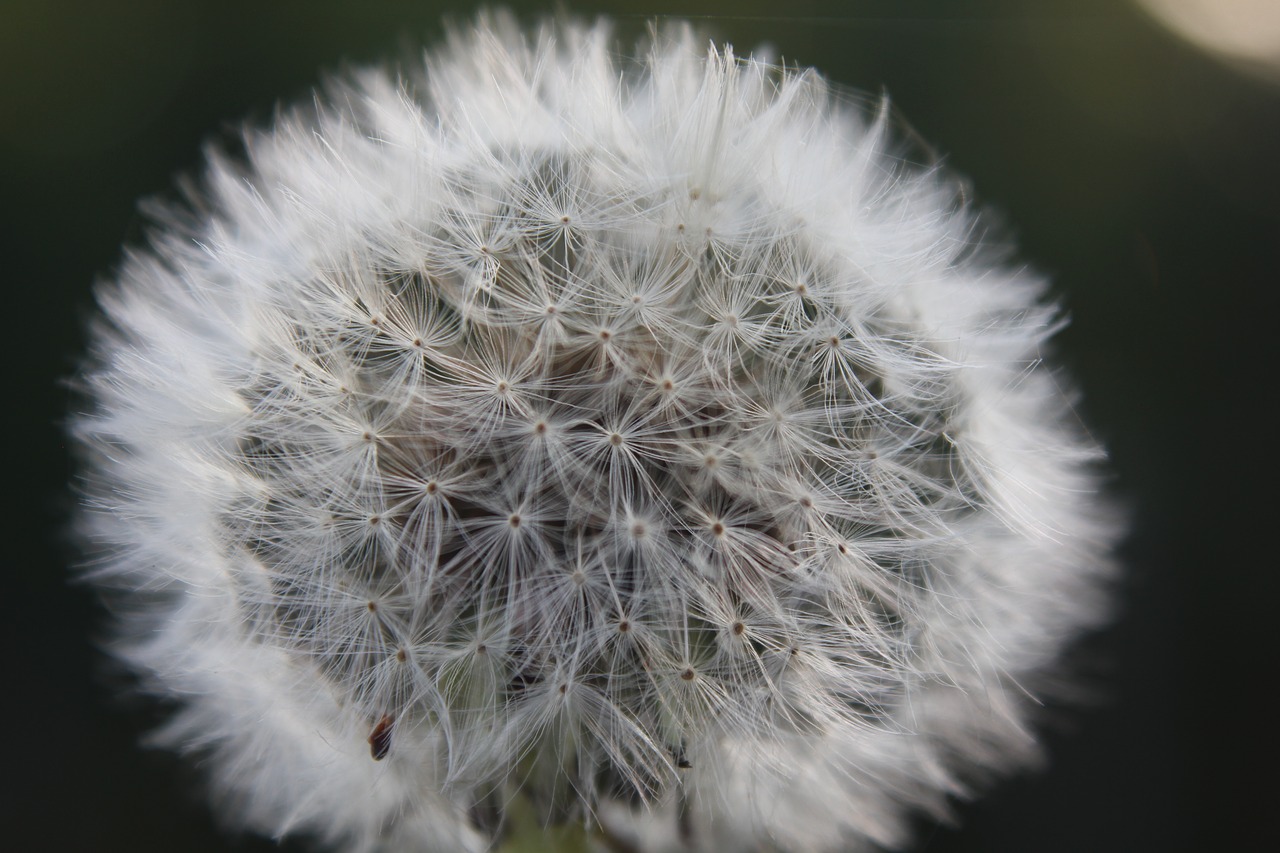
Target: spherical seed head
{"x": 622, "y": 436}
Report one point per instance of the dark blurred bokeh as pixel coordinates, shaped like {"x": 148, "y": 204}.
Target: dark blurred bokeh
{"x": 1140, "y": 173}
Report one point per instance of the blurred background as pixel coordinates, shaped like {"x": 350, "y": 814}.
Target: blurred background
{"x": 1131, "y": 148}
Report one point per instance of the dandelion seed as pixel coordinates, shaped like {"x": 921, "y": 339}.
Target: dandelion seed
{"x": 649, "y": 443}
{"x": 380, "y": 738}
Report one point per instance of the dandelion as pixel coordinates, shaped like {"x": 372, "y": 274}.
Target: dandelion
{"x": 644, "y": 444}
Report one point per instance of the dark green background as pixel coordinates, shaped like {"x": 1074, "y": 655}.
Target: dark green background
{"x": 1142, "y": 176}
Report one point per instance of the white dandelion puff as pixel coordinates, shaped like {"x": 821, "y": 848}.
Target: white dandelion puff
{"x": 645, "y": 441}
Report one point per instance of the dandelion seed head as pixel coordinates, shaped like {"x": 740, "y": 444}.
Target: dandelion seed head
{"x": 626, "y": 436}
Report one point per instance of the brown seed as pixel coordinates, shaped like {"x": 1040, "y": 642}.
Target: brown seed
{"x": 380, "y": 738}
{"x": 688, "y": 674}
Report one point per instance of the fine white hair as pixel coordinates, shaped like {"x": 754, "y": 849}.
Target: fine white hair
{"x": 644, "y": 438}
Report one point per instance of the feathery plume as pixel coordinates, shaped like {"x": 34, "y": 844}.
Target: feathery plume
{"x": 646, "y": 442}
